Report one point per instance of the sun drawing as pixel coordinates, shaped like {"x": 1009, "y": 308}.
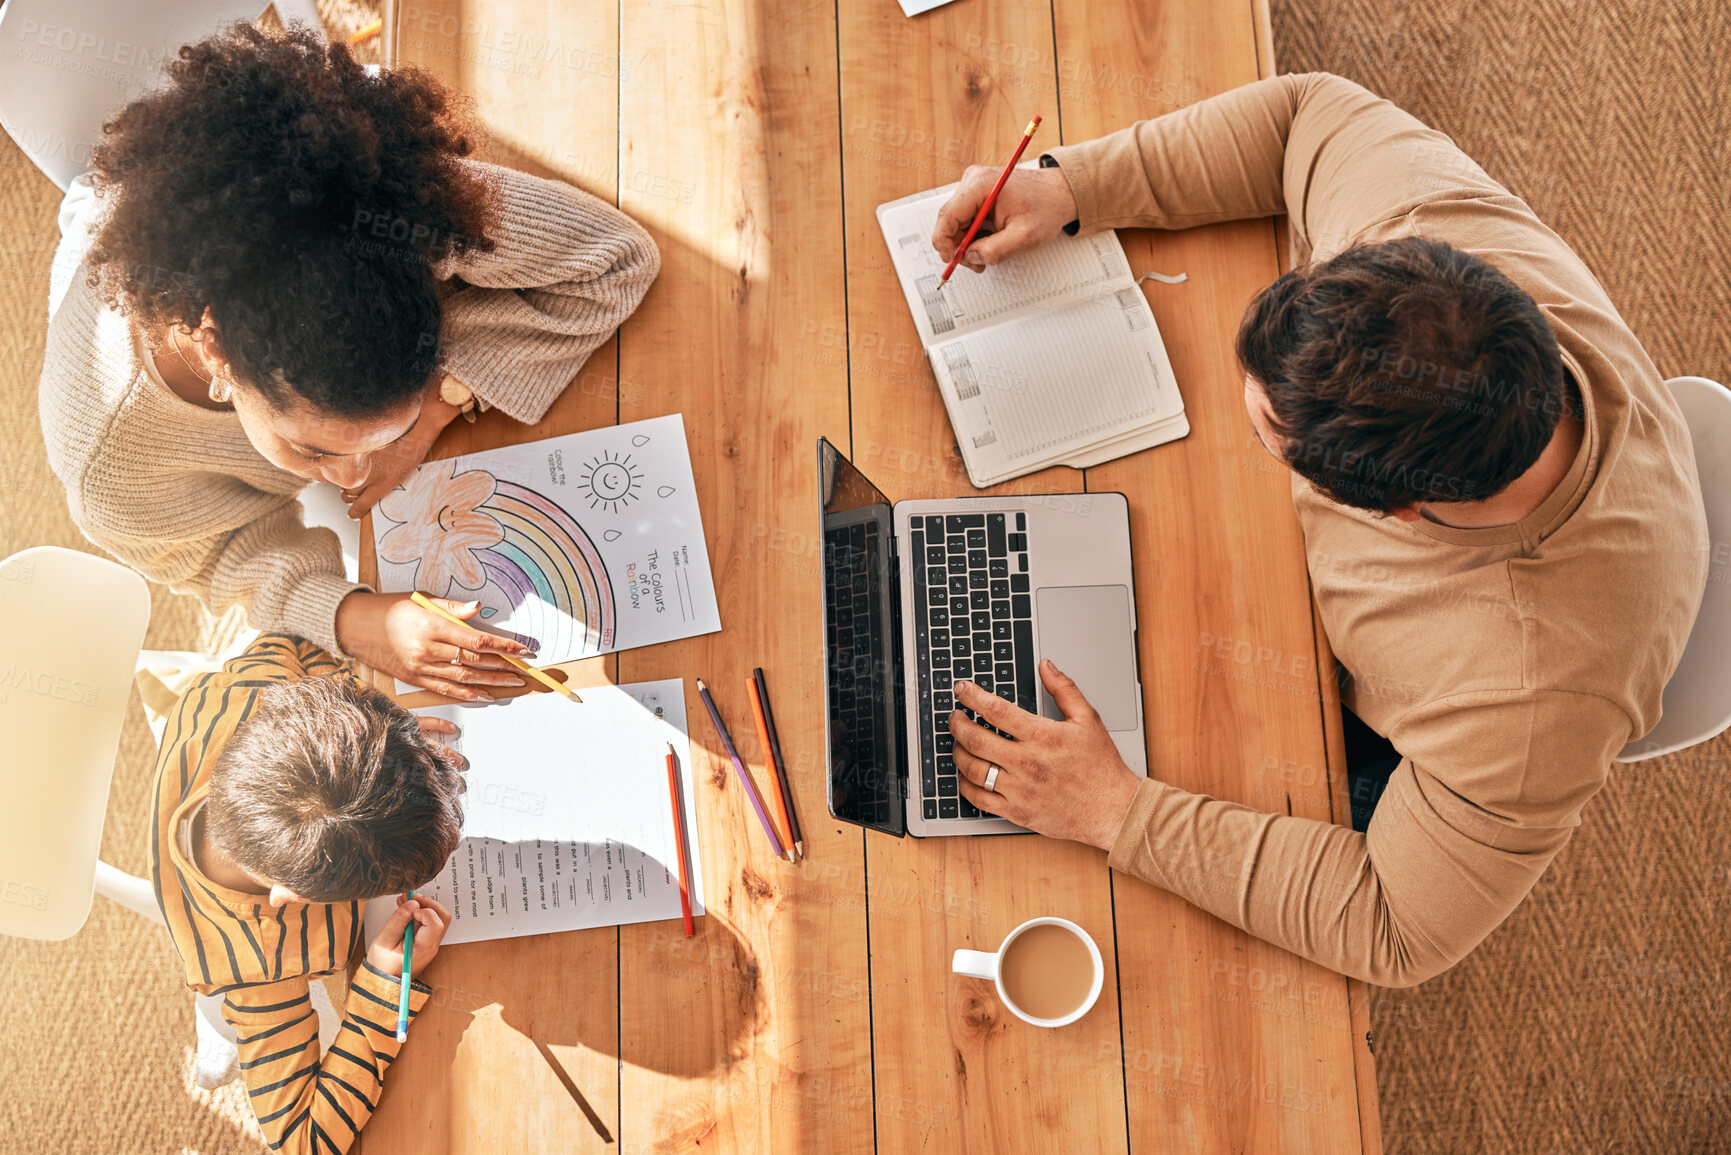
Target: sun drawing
{"x": 611, "y": 481}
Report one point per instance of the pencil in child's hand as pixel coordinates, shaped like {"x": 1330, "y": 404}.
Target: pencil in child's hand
{"x": 408, "y": 961}
{"x": 773, "y": 770}
{"x": 739, "y": 768}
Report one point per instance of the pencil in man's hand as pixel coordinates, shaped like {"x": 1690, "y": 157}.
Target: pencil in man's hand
{"x": 991, "y": 199}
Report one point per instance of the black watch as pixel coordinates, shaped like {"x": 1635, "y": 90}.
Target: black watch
{"x": 1075, "y": 226}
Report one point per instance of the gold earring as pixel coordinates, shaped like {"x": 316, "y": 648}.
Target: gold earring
{"x": 220, "y": 390}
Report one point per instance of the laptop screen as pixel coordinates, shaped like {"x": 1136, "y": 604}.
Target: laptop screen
{"x": 861, "y": 672}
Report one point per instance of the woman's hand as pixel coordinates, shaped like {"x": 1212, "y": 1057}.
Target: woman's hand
{"x": 398, "y": 459}
{"x": 1033, "y": 208}
{"x": 391, "y": 633}
{"x": 1063, "y": 779}
{"x": 431, "y": 918}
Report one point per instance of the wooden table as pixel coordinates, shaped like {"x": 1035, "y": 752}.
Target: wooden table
{"x": 815, "y": 1012}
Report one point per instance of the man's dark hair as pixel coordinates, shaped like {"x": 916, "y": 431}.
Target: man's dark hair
{"x": 300, "y": 200}
{"x": 332, "y": 790}
{"x": 1405, "y": 371}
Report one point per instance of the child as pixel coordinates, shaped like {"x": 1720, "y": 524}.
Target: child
{"x": 288, "y": 794}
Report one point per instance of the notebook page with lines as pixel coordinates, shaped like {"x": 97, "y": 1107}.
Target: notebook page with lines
{"x": 1053, "y": 358}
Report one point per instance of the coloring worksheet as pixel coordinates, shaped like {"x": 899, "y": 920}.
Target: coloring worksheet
{"x": 567, "y": 819}
{"x": 578, "y": 545}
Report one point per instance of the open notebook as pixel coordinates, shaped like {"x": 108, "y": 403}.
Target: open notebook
{"x": 1049, "y": 359}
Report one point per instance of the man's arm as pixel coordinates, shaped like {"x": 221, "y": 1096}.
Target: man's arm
{"x": 1436, "y": 873}
{"x": 303, "y": 1102}
{"x": 1334, "y": 157}
{"x": 1395, "y": 906}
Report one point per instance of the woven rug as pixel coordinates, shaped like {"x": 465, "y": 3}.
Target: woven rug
{"x": 1598, "y": 1018}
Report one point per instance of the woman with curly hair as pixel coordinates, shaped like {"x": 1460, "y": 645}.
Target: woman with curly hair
{"x": 284, "y": 270}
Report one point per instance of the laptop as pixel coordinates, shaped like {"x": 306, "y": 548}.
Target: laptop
{"x": 921, "y": 594}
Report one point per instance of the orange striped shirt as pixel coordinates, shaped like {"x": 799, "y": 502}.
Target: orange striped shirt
{"x": 261, "y": 959}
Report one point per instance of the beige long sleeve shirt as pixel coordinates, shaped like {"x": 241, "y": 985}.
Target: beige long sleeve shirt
{"x": 179, "y": 493}
{"x": 1509, "y": 665}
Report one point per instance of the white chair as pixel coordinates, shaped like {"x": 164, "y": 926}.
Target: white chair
{"x": 71, "y": 625}
{"x": 1697, "y": 702}
{"x": 70, "y": 64}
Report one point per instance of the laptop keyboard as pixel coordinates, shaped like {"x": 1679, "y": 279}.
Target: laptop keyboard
{"x": 856, "y": 704}
{"x": 973, "y": 621}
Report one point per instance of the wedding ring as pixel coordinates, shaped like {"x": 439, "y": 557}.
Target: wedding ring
{"x": 992, "y": 779}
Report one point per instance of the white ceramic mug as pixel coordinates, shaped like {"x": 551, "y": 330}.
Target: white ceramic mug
{"x": 979, "y": 964}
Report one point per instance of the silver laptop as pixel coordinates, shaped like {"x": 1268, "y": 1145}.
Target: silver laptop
{"x": 922, "y": 594}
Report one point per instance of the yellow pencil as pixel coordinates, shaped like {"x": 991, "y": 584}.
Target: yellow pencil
{"x": 367, "y": 33}
{"x": 551, "y": 683}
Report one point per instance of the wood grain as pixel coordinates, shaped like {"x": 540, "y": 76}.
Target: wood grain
{"x": 755, "y": 140}
{"x": 1229, "y": 1043}
{"x": 471, "y": 1078}
{"x": 755, "y": 1036}
{"x": 921, "y": 99}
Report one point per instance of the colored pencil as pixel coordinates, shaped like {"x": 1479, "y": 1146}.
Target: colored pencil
{"x": 739, "y": 767}
{"x": 367, "y": 33}
{"x": 780, "y": 762}
{"x": 403, "y": 997}
{"x": 991, "y": 199}
{"x": 679, "y": 838}
{"x": 551, "y": 683}
{"x": 780, "y": 796}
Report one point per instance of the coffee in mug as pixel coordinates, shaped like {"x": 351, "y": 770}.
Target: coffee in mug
{"x": 1048, "y": 971}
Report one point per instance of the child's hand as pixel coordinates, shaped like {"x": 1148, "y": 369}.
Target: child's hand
{"x": 385, "y": 952}
{"x": 442, "y": 732}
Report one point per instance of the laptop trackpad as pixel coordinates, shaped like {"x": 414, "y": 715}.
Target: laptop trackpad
{"x": 1085, "y": 630}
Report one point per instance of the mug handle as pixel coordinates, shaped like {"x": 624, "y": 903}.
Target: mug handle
{"x": 976, "y": 964}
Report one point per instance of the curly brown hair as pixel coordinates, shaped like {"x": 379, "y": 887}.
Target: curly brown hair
{"x": 1406, "y": 371}
{"x": 300, "y": 201}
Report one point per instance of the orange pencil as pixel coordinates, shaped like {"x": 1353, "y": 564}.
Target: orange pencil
{"x": 679, "y": 837}
{"x": 986, "y": 205}
{"x": 770, "y": 764}
{"x": 367, "y": 33}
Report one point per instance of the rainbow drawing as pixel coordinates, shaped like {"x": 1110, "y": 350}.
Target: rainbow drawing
{"x": 533, "y": 568}
{"x": 544, "y": 556}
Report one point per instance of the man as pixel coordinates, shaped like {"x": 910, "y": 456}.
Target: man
{"x": 1502, "y": 523}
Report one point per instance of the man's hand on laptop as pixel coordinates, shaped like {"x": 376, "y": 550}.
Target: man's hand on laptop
{"x": 1064, "y": 779}
{"x": 1034, "y": 206}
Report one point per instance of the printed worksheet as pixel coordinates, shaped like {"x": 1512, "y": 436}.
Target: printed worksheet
{"x": 580, "y": 545}
{"x": 1051, "y": 358}
{"x": 567, "y": 819}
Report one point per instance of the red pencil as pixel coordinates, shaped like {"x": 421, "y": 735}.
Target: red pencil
{"x": 679, "y": 837}
{"x": 771, "y": 766}
{"x": 991, "y": 199}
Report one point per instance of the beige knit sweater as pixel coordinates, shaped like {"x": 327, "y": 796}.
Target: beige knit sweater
{"x": 1507, "y": 665}
{"x": 179, "y": 493}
